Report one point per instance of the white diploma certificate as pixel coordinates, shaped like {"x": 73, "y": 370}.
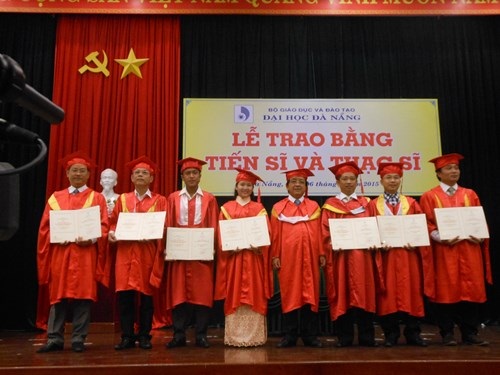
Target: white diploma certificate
{"x": 399, "y": 231}
{"x": 244, "y": 233}
{"x": 135, "y": 226}
{"x": 461, "y": 222}
{"x": 354, "y": 233}
{"x": 68, "y": 225}
{"x": 190, "y": 244}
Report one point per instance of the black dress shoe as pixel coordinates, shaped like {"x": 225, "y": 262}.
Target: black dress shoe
{"x": 417, "y": 341}
{"x": 368, "y": 343}
{"x": 50, "y": 347}
{"x": 391, "y": 339}
{"x": 202, "y": 342}
{"x": 286, "y": 343}
{"x": 474, "y": 340}
{"x": 78, "y": 347}
{"x": 315, "y": 343}
{"x": 389, "y": 343}
{"x": 176, "y": 343}
{"x": 126, "y": 343}
{"x": 343, "y": 344}
{"x": 145, "y": 343}
{"x": 449, "y": 340}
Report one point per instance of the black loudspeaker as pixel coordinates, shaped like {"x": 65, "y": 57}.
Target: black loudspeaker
{"x": 9, "y": 203}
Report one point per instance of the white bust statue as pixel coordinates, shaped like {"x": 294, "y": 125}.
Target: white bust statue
{"x": 109, "y": 179}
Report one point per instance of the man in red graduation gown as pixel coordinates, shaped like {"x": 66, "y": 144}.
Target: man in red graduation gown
{"x": 296, "y": 256}
{"x": 71, "y": 268}
{"x": 400, "y": 297}
{"x": 349, "y": 274}
{"x": 457, "y": 268}
{"x": 139, "y": 264}
{"x": 190, "y": 283}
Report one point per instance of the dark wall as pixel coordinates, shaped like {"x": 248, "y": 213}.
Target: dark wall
{"x": 29, "y": 40}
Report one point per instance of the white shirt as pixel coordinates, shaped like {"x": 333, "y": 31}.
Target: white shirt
{"x": 446, "y": 187}
{"x": 292, "y": 199}
{"x": 293, "y": 219}
{"x": 141, "y": 197}
{"x": 184, "y": 199}
{"x": 346, "y": 198}
{"x": 72, "y": 189}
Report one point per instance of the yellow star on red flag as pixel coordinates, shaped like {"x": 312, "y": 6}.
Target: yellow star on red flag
{"x": 131, "y": 64}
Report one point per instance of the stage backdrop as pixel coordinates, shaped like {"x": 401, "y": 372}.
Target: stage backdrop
{"x": 271, "y": 136}
{"x": 117, "y": 78}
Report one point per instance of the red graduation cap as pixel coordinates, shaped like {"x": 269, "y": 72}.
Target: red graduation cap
{"x": 77, "y": 157}
{"x": 441, "y": 161}
{"x": 244, "y": 175}
{"x": 349, "y": 166}
{"x": 390, "y": 167}
{"x": 303, "y": 172}
{"x": 191, "y": 163}
{"x": 143, "y": 162}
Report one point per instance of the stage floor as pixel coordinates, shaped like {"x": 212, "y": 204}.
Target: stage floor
{"x": 18, "y": 356}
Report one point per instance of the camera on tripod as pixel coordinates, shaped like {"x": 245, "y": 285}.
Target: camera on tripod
{"x": 13, "y": 88}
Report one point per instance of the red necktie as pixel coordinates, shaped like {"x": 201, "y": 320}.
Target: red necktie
{"x": 191, "y": 210}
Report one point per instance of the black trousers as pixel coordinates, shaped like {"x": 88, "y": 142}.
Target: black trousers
{"x": 390, "y": 326}
{"x": 301, "y": 322}
{"x": 466, "y": 315}
{"x": 345, "y": 326}
{"x": 182, "y": 316}
{"x": 126, "y": 305}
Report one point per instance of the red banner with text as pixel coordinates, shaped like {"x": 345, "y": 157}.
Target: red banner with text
{"x": 257, "y": 7}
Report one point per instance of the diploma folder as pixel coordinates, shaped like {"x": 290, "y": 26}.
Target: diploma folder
{"x": 67, "y": 225}
{"x": 461, "y": 222}
{"x": 244, "y": 232}
{"x": 189, "y": 244}
{"x": 136, "y": 226}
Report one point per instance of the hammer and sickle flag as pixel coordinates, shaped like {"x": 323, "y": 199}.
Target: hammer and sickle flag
{"x": 98, "y": 66}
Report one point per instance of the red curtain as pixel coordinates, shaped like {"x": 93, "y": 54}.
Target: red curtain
{"x": 116, "y": 111}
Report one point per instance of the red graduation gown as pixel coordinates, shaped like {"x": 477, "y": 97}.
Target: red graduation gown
{"x": 191, "y": 281}
{"x": 243, "y": 278}
{"x": 456, "y": 273}
{"x": 139, "y": 264}
{"x": 350, "y": 280}
{"x": 401, "y": 269}
{"x": 71, "y": 271}
{"x": 298, "y": 246}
